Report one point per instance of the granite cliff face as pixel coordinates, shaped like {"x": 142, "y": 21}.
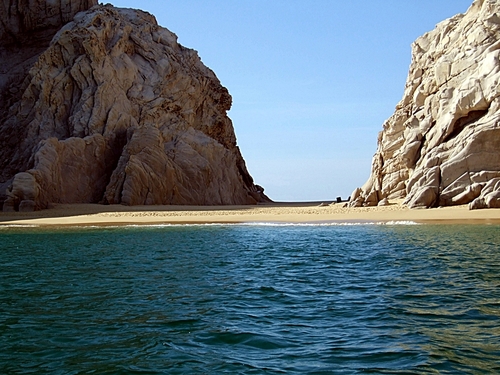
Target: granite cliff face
{"x": 442, "y": 145}
{"x": 110, "y": 108}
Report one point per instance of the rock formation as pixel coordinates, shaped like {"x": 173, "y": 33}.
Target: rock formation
{"x": 442, "y": 145}
{"x": 23, "y": 21}
{"x": 110, "y": 108}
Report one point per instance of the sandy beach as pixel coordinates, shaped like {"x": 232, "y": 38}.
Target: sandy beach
{"x": 312, "y": 212}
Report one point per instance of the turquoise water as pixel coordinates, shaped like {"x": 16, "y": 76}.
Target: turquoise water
{"x": 251, "y": 299}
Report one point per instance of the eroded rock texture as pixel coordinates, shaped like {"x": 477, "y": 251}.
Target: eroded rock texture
{"x": 22, "y": 20}
{"x": 114, "y": 110}
{"x": 442, "y": 145}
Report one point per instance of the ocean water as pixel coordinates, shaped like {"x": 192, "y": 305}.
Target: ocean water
{"x": 251, "y": 299}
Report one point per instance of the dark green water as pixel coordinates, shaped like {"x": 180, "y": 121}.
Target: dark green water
{"x": 251, "y": 300}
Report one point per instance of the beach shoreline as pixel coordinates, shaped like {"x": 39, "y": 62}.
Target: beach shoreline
{"x": 279, "y": 213}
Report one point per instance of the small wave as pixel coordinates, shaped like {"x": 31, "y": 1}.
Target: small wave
{"x": 401, "y": 222}
{"x": 8, "y": 226}
{"x": 245, "y": 224}
{"x": 329, "y": 224}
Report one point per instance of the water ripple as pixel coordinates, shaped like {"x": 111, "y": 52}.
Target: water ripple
{"x": 250, "y": 299}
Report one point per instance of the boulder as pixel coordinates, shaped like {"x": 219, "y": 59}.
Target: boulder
{"x": 358, "y": 202}
{"x": 489, "y": 196}
{"x": 383, "y": 202}
{"x": 23, "y": 188}
{"x": 27, "y": 206}
{"x": 371, "y": 199}
{"x": 492, "y": 200}
{"x": 423, "y": 198}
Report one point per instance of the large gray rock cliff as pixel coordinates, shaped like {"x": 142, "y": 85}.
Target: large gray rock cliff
{"x": 110, "y": 108}
{"x": 442, "y": 145}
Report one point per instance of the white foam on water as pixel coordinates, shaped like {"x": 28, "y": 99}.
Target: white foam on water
{"x": 332, "y": 224}
{"x": 402, "y": 222}
{"x": 265, "y": 224}
{"x": 248, "y": 224}
{"x": 7, "y": 226}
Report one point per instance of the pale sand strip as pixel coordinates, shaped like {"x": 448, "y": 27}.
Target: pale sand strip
{"x": 92, "y": 214}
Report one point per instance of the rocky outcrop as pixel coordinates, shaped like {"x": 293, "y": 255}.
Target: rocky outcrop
{"x": 114, "y": 110}
{"x": 442, "y": 145}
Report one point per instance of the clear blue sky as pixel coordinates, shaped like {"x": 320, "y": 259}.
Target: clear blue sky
{"x": 312, "y": 81}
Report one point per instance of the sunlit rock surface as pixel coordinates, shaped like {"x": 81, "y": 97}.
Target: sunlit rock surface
{"x": 442, "y": 145}
{"x": 109, "y": 108}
